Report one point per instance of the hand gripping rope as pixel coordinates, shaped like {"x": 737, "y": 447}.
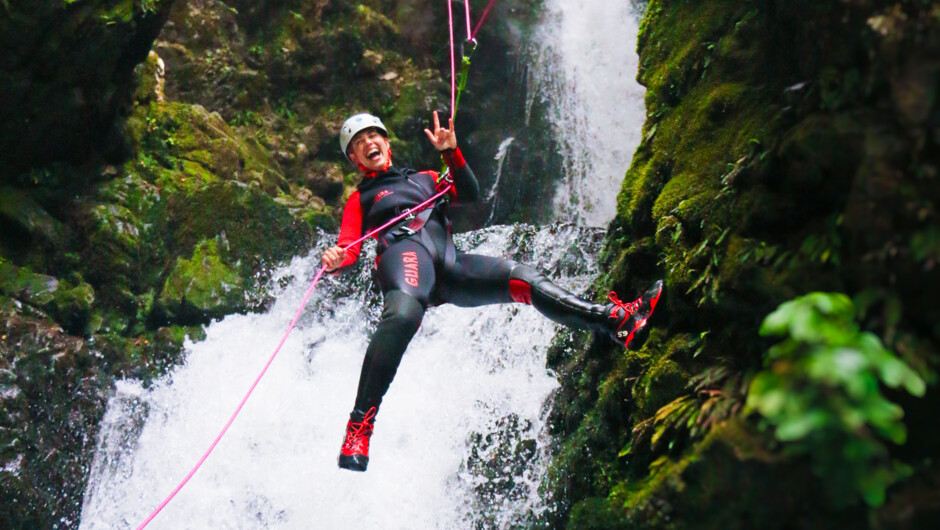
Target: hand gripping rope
{"x": 426, "y": 204}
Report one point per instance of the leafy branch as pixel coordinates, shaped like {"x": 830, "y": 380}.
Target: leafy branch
{"x": 714, "y": 395}
{"x": 820, "y": 391}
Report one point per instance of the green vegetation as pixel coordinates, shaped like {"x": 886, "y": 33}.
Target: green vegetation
{"x": 821, "y": 394}
{"x": 204, "y": 282}
{"x": 777, "y": 159}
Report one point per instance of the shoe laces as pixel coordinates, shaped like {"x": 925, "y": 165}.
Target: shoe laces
{"x": 629, "y": 308}
{"x": 356, "y": 430}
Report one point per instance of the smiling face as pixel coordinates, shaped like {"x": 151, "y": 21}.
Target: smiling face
{"x": 371, "y": 150}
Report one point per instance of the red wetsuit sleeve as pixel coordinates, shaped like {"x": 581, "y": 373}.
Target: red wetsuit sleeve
{"x": 351, "y": 229}
{"x": 466, "y": 188}
{"x": 454, "y": 159}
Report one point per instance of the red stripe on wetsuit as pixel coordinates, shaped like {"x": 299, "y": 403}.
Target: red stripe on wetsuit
{"x": 520, "y": 292}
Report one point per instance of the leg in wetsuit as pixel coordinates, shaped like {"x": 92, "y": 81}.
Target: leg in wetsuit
{"x": 409, "y": 279}
{"x": 421, "y": 270}
{"x": 406, "y": 276}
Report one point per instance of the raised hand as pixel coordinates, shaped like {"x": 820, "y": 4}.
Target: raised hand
{"x": 442, "y": 138}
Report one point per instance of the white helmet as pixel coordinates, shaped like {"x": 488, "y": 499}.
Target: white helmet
{"x": 356, "y": 124}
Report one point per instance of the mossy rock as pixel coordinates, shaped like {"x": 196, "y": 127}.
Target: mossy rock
{"x": 25, "y": 285}
{"x": 23, "y": 216}
{"x": 69, "y": 302}
{"x": 186, "y": 147}
{"x": 732, "y": 469}
{"x": 665, "y": 380}
{"x": 203, "y": 286}
{"x": 115, "y": 244}
{"x": 194, "y": 179}
{"x": 258, "y": 229}
{"x": 768, "y": 168}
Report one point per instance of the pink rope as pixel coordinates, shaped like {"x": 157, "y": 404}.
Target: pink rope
{"x": 290, "y": 328}
{"x": 466, "y": 5}
{"x": 482, "y": 18}
{"x": 453, "y": 67}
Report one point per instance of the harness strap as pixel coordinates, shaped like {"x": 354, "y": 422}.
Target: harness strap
{"x": 408, "y": 227}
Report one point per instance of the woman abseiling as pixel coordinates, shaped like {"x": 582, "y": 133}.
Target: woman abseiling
{"x": 418, "y": 266}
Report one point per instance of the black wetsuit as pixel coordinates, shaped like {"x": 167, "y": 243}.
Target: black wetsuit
{"x": 416, "y": 269}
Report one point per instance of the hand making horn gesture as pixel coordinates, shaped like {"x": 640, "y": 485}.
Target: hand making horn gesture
{"x": 442, "y": 138}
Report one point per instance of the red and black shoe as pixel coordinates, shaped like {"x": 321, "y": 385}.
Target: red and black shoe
{"x": 355, "y": 452}
{"x": 624, "y": 320}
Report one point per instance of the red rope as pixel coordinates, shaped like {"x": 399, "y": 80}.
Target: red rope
{"x": 482, "y": 18}
{"x": 290, "y": 328}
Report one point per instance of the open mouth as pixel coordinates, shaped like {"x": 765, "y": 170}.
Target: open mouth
{"x": 374, "y": 154}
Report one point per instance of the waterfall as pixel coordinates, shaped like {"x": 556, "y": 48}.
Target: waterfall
{"x": 460, "y": 441}
{"x": 584, "y": 66}
{"x": 501, "y": 153}
{"x": 457, "y": 438}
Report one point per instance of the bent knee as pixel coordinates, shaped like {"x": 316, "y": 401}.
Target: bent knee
{"x": 402, "y": 309}
{"x": 522, "y": 279}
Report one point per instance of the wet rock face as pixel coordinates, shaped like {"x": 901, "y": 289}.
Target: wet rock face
{"x": 789, "y": 147}
{"x": 49, "y": 407}
{"x": 66, "y": 77}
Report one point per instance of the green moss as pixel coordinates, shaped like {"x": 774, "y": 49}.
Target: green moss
{"x": 596, "y": 514}
{"x": 181, "y": 142}
{"x": 22, "y": 283}
{"x": 204, "y": 283}
{"x": 665, "y": 380}
{"x": 121, "y": 11}
{"x": 645, "y": 179}
{"x": 193, "y": 176}
{"x": 321, "y": 219}
{"x": 368, "y": 19}
{"x": 724, "y": 99}
{"x": 683, "y": 197}
{"x": 257, "y": 227}
{"x": 73, "y": 305}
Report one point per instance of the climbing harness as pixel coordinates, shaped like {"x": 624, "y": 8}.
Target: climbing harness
{"x": 456, "y": 87}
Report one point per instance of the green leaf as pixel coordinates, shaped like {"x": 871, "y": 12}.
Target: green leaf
{"x": 829, "y": 364}
{"x": 798, "y": 427}
{"x": 778, "y": 322}
{"x": 626, "y": 449}
{"x": 772, "y": 404}
{"x": 895, "y": 373}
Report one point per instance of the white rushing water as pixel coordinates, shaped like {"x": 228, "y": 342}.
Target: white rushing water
{"x": 460, "y": 439}
{"x": 584, "y": 67}
{"x": 470, "y": 374}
